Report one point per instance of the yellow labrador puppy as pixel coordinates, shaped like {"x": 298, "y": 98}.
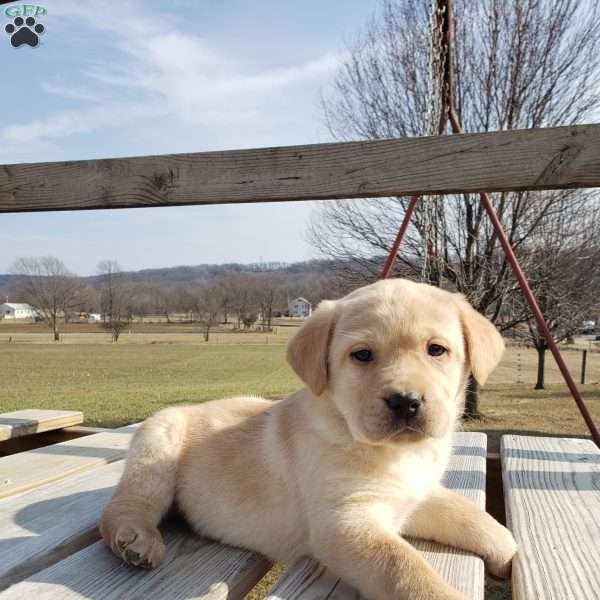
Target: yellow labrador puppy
{"x": 338, "y": 469}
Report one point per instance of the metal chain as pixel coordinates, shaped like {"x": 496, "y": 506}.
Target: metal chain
{"x": 433, "y": 218}
{"x": 437, "y": 60}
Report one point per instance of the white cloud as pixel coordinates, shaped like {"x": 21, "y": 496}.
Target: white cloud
{"x": 72, "y": 93}
{"x": 172, "y": 74}
{"x": 162, "y": 90}
{"x": 66, "y": 123}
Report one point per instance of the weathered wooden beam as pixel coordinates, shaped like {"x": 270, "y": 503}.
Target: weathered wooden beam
{"x": 536, "y": 159}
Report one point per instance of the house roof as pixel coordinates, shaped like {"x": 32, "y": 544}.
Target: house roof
{"x": 18, "y": 305}
{"x": 302, "y": 299}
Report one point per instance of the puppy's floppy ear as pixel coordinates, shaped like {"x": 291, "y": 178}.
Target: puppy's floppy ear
{"x": 308, "y": 350}
{"x": 485, "y": 345}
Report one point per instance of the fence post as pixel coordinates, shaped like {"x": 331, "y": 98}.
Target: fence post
{"x": 583, "y": 366}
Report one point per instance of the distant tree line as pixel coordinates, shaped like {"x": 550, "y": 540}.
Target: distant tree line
{"x": 562, "y": 258}
{"x": 245, "y": 299}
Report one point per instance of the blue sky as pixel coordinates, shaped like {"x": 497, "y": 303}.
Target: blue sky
{"x": 149, "y": 77}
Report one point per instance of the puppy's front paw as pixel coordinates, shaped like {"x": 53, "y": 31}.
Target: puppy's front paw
{"x": 504, "y": 548}
{"x": 139, "y": 546}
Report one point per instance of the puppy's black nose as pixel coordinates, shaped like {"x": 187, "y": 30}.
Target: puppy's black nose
{"x": 404, "y": 405}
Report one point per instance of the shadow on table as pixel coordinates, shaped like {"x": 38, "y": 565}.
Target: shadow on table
{"x": 67, "y": 560}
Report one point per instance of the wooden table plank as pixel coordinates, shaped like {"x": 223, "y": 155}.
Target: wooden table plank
{"x": 552, "y": 495}
{"x": 26, "y": 470}
{"x": 26, "y": 422}
{"x": 559, "y": 157}
{"x": 42, "y": 526}
{"x": 308, "y": 580}
{"x": 50, "y": 522}
{"x": 46, "y": 527}
{"x": 194, "y": 568}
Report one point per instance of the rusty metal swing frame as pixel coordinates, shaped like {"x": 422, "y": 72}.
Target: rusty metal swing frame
{"x": 444, "y": 14}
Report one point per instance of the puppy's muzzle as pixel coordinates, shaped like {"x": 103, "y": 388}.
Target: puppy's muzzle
{"x": 404, "y": 405}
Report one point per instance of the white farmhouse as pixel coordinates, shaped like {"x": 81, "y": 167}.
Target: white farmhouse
{"x": 15, "y": 310}
{"x": 300, "y": 307}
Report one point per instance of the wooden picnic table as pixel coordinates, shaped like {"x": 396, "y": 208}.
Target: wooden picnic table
{"x": 26, "y": 422}
{"x": 50, "y": 547}
{"x": 552, "y": 492}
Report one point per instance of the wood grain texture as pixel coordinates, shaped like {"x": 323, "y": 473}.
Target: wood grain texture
{"x": 29, "y": 421}
{"x": 308, "y": 580}
{"x": 561, "y": 157}
{"x": 193, "y": 569}
{"x": 24, "y": 471}
{"x": 42, "y": 529}
{"x": 42, "y": 526}
{"x": 552, "y": 494}
{"x": 52, "y": 528}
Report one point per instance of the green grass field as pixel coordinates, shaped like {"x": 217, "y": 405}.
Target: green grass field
{"x": 115, "y": 384}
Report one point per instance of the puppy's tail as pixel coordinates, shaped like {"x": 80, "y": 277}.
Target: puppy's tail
{"x": 147, "y": 487}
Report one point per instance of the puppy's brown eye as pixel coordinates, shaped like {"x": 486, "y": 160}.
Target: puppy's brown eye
{"x": 363, "y": 355}
{"x": 436, "y": 350}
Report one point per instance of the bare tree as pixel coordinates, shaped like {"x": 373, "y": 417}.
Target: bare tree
{"x": 226, "y": 294}
{"x": 268, "y": 291}
{"x": 518, "y": 64}
{"x": 209, "y": 307}
{"x": 186, "y": 301}
{"x": 49, "y": 287}
{"x": 564, "y": 259}
{"x": 141, "y": 300}
{"x": 91, "y": 299}
{"x": 113, "y": 296}
{"x": 242, "y": 292}
{"x": 164, "y": 300}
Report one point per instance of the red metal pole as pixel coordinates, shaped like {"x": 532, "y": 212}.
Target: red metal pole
{"x": 502, "y": 237}
{"x": 389, "y": 263}
{"x": 539, "y": 317}
{"x": 533, "y": 305}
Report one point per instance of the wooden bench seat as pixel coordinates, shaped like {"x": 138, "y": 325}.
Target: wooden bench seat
{"x": 26, "y": 470}
{"x": 194, "y": 568}
{"x": 62, "y": 514}
{"x": 307, "y": 580}
{"x": 52, "y": 533}
{"x": 552, "y": 496}
{"x": 26, "y": 422}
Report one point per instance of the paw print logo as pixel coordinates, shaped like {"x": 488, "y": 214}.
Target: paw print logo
{"x": 24, "y": 32}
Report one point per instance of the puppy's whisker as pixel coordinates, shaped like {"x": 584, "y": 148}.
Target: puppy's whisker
{"x": 415, "y": 429}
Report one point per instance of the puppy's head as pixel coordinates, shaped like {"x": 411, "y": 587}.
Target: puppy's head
{"x": 394, "y": 358}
